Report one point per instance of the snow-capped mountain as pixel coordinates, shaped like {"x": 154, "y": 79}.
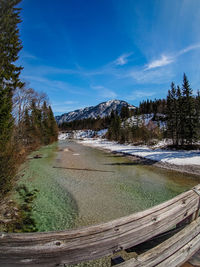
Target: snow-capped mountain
{"x": 102, "y": 110}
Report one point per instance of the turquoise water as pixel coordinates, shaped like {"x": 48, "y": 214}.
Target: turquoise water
{"x": 53, "y": 208}
{"x": 80, "y": 186}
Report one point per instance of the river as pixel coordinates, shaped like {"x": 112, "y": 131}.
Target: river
{"x": 80, "y": 186}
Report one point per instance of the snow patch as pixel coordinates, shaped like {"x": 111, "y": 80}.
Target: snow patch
{"x": 167, "y": 156}
{"x": 82, "y": 134}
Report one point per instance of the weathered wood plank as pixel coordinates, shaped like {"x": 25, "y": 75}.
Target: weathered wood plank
{"x": 172, "y": 251}
{"x": 95, "y": 241}
{"x": 182, "y": 255}
{"x": 15, "y": 239}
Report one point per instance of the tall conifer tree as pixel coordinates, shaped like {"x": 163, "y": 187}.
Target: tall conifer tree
{"x": 198, "y": 113}
{"x": 174, "y": 122}
{"x": 170, "y": 116}
{"x": 46, "y": 132}
{"x": 180, "y": 117}
{"x": 10, "y": 45}
{"x": 52, "y": 125}
{"x": 36, "y": 124}
{"x": 188, "y": 109}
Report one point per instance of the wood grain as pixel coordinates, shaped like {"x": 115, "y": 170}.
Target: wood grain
{"x": 74, "y": 246}
{"x": 172, "y": 252}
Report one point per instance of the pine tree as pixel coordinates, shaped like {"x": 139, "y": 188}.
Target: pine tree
{"x": 180, "y": 117}
{"x": 170, "y": 116}
{"x": 188, "y": 107}
{"x": 198, "y": 113}
{"x": 10, "y": 45}
{"x": 155, "y": 108}
{"x": 45, "y": 124}
{"x": 114, "y": 130}
{"x": 174, "y": 117}
{"x": 125, "y": 113}
{"x": 53, "y": 125}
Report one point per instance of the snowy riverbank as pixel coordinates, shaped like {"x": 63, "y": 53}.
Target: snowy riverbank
{"x": 180, "y": 157}
{"x": 179, "y": 160}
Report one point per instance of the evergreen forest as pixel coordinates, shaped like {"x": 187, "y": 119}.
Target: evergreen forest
{"x": 26, "y": 118}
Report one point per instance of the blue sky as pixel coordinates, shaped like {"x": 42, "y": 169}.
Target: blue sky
{"x": 83, "y": 52}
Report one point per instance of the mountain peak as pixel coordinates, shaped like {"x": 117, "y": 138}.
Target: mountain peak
{"x": 101, "y": 110}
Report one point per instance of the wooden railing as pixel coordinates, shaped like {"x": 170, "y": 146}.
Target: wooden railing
{"x": 93, "y": 242}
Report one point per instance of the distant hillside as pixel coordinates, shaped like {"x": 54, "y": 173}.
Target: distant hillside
{"x": 101, "y": 110}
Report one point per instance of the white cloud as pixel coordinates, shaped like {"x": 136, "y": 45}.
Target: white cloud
{"x": 166, "y": 60}
{"x": 188, "y": 49}
{"x": 163, "y": 61}
{"x": 152, "y": 76}
{"x": 122, "y": 60}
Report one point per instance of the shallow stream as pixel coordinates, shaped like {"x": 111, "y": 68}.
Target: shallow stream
{"x": 80, "y": 186}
